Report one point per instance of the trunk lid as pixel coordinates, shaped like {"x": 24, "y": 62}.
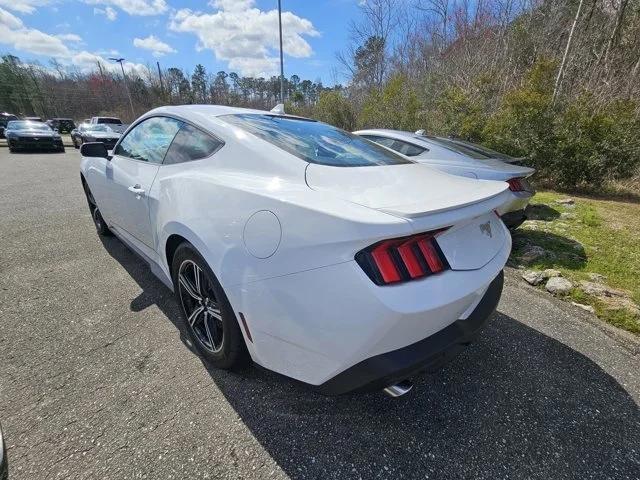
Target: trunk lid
{"x": 428, "y": 200}
{"x": 407, "y": 190}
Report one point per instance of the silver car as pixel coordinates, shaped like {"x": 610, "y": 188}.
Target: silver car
{"x": 466, "y": 160}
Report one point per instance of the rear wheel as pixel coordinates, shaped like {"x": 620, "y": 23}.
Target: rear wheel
{"x": 207, "y": 314}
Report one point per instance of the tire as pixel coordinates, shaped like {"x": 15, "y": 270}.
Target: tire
{"x": 74, "y": 143}
{"x": 214, "y": 332}
{"x": 96, "y": 216}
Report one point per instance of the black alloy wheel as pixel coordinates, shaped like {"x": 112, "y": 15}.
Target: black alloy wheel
{"x": 200, "y": 305}
{"x": 208, "y": 317}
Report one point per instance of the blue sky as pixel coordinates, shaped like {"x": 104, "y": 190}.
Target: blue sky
{"x": 230, "y": 35}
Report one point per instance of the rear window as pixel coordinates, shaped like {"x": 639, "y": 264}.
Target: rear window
{"x": 315, "y": 142}
{"x": 484, "y": 150}
{"x": 405, "y": 148}
{"x": 456, "y": 147}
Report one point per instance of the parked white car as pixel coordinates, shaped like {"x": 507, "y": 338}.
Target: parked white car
{"x": 316, "y": 253}
{"x": 467, "y": 160}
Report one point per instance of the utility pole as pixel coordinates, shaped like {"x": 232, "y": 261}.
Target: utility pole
{"x": 160, "y": 76}
{"x": 281, "y": 59}
{"x": 126, "y": 87}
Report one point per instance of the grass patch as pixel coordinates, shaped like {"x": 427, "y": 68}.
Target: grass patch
{"x": 591, "y": 236}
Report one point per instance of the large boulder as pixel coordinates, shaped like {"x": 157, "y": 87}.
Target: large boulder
{"x": 535, "y": 277}
{"x": 558, "y": 286}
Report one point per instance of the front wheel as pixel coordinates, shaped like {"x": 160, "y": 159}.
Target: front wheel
{"x": 98, "y": 221}
{"x": 208, "y": 316}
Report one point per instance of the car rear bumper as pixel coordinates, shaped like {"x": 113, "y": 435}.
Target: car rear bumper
{"x": 316, "y": 324}
{"x": 517, "y": 201}
{"x": 389, "y": 368}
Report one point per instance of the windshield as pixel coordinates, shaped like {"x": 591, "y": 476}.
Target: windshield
{"x": 115, "y": 121}
{"x": 98, "y": 128}
{"x": 456, "y": 147}
{"x": 315, "y": 142}
{"x": 26, "y": 125}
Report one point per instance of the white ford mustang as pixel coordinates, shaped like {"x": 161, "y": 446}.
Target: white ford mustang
{"x": 317, "y": 253}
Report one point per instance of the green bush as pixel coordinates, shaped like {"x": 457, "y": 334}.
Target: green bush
{"x": 457, "y": 113}
{"x": 595, "y": 147}
{"x": 523, "y": 124}
{"x": 396, "y": 106}
{"x": 334, "y": 108}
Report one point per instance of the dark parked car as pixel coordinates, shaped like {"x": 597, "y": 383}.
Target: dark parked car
{"x": 61, "y": 125}
{"x": 92, "y": 132}
{"x": 27, "y": 135}
{"x": 4, "y": 119}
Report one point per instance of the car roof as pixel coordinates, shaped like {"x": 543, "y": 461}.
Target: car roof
{"x": 206, "y": 115}
{"x": 208, "y": 110}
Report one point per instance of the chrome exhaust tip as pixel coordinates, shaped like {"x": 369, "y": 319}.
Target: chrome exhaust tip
{"x": 399, "y": 389}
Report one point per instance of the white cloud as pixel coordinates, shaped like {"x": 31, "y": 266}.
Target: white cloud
{"x": 153, "y": 44}
{"x": 23, "y": 6}
{"x": 245, "y": 36}
{"x": 108, "y": 12}
{"x": 69, "y": 37}
{"x": 134, "y": 7}
{"x": 14, "y": 33}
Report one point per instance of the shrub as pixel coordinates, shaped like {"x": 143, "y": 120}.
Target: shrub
{"x": 395, "y": 106}
{"x": 595, "y": 147}
{"x": 457, "y": 113}
{"x": 335, "y": 109}
{"x": 523, "y": 124}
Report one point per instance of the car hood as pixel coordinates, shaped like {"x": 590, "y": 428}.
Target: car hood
{"x": 407, "y": 190}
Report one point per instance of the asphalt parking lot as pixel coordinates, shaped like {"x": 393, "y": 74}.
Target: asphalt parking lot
{"x": 97, "y": 382}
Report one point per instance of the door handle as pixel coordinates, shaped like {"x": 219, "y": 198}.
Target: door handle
{"x": 136, "y": 189}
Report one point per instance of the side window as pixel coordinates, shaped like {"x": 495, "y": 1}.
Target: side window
{"x": 149, "y": 140}
{"x": 191, "y": 144}
{"x": 408, "y": 149}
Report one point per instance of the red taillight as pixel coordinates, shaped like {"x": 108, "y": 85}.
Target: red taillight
{"x": 516, "y": 185}
{"x": 402, "y": 259}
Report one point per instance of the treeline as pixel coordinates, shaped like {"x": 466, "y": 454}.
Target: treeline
{"x": 557, "y": 81}
{"x": 53, "y": 91}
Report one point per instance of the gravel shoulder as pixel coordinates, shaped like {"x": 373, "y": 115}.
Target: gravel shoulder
{"x": 97, "y": 382}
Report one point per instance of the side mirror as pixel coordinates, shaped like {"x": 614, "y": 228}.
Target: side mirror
{"x": 94, "y": 149}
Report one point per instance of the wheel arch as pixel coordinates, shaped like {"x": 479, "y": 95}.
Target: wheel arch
{"x": 176, "y": 233}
